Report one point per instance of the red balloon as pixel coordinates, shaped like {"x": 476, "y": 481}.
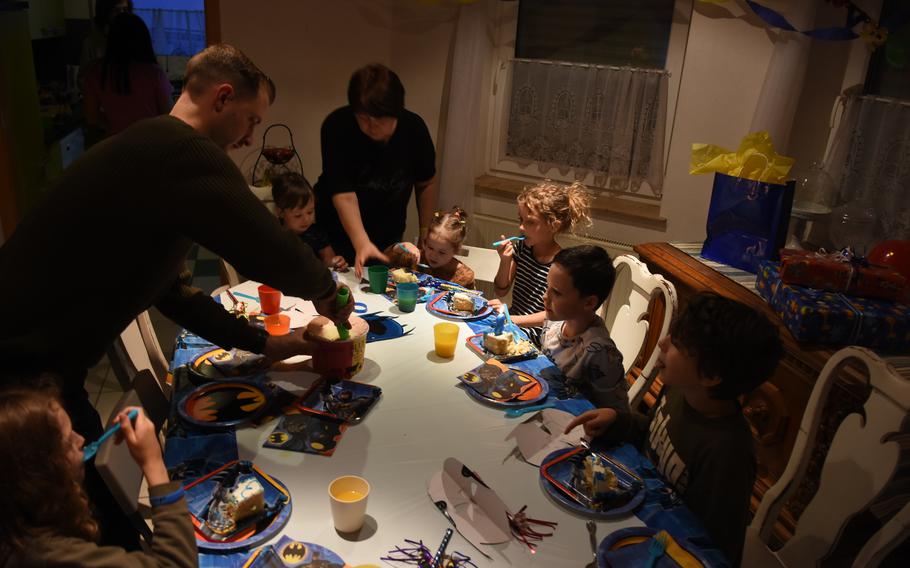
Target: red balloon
{"x": 894, "y": 254}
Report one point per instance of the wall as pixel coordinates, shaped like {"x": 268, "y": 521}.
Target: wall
{"x": 310, "y": 48}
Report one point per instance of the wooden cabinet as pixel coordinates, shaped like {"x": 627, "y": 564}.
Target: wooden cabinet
{"x": 776, "y": 408}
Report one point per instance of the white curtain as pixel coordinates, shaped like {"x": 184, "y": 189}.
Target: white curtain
{"x": 175, "y": 32}
{"x": 608, "y": 121}
{"x": 870, "y": 163}
{"x": 459, "y": 149}
{"x": 783, "y": 84}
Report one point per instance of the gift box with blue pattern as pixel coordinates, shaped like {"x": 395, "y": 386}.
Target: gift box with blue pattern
{"x": 818, "y": 316}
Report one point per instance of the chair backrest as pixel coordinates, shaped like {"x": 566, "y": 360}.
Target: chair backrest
{"x": 229, "y": 275}
{"x": 485, "y": 263}
{"x": 625, "y": 314}
{"x": 862, "y": 459}
{"x": 120, "y": 471}
{"x": 137, "y": 349}
{"x": 154, "y": 400}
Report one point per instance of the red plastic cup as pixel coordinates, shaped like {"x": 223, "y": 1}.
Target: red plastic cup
{"x": 278, "y": 324}
{"x": 269, "y": 300}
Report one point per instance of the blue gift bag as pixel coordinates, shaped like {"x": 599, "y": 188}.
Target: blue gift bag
{"x": 747, "y": 221}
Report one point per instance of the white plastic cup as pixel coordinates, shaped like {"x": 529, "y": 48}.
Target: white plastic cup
{"x": 348, "y": 496}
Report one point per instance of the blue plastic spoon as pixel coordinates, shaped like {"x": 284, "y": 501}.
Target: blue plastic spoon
{"x": 89, "y": 451}
{"x": 497, "y": 243}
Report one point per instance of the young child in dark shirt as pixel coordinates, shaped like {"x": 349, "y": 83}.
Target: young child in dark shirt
{"x": 696, "y": 435}
{"x": 574, "y": 336}
{"x": 296, "y": 204}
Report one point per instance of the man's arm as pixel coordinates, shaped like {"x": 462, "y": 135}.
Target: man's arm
{"x": 205, "y": 198}
{"x": 192, "y": 309}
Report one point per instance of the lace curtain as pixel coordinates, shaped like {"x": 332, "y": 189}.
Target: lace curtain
{"x": 608, "y": 121}
{"x": 870, "y": 163}
{"x": 175, "y": 32}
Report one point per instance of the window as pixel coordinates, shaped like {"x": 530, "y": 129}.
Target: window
{"x": 889, "y": 68}
{"x": 588, "y": 86}
{"x": 177, "y": 26}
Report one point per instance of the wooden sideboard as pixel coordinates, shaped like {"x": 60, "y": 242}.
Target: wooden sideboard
{"x": 776, "y": 408}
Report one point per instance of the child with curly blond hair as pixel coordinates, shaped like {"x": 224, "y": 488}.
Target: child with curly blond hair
{"x": 544, "y": 211}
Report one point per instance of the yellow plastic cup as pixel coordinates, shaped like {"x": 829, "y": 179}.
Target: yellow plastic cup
{"x": 446, "y": 337}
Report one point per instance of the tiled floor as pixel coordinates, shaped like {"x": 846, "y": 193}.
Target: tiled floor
{"x": 101, "y": 383}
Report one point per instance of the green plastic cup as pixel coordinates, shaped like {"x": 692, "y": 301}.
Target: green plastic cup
{"x": 407, "y": 293}
{"x": 378, "y": 275}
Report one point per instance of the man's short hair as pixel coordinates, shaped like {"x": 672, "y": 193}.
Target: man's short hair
{"x": 730, "y": 341}
{"x": 377, "y": 91}
{"x": 591, "y": 269}
{"x": 224, "y": 63}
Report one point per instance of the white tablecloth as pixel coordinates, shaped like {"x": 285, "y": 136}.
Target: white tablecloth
{"x": 421, "y": 419}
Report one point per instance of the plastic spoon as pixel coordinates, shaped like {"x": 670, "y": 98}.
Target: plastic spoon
{"x": 504, "y": 241}
{"x": 89, "y": 451}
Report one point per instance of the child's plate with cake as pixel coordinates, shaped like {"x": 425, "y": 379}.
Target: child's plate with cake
{"x": 458, "y": 306}
{"x": 504, "y": 387}
{"x": 501, "y": 347}
{"x": 591, "y": 483}
{"x": 224, "y": 404}
{"x": 237, "y": 507}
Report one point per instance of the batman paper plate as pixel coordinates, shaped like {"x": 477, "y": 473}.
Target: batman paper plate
{"x": 532, "y": 390}
{"x": 290, "y": 553}
{"x": 224, "y": 404}
{"x": 629, "y": 547}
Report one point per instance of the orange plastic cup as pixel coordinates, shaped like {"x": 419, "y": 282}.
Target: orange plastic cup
{"x": 269, "y": 300}
{"x": 446, "y": 337}
{"x": 278, "y": 324}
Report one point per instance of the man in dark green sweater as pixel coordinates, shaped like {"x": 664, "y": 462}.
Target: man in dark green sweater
{"x": 110, "y": 239}
{"x": 696, "y": 434}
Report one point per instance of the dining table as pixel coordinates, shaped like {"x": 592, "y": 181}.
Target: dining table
{"x": 423, "y": 417}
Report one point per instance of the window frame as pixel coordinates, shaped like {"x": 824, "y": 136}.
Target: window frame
{"x": 498, "y": 164}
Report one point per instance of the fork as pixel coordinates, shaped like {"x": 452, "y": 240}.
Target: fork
{"x": 657, "y": 548}
{"x": 592, "y": 535}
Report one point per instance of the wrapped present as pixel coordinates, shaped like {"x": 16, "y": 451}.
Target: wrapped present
{"x": 820, "y": 316}
{"x": 841, "y": 272}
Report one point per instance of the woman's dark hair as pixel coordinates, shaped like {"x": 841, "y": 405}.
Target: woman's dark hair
{"x": 730, "y": 341}
{"x": 291, "y": 190}
{"x": 41, "y": 493}
{"x": 377, "y": 91}
{"x": 128, "y": 41}
{"x": 105, "y": 8}
{"x": 590, "y": 268}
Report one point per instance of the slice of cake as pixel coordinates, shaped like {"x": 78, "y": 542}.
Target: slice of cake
{"x": 497, "y": 344}
{"x": 599, "y": 479}
{"x": 245, "y": 499}
{"x": 462, "y": 302}
{"x": 401, "y": 276}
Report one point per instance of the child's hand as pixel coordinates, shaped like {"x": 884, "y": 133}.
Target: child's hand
{"x": 506, "y": 249}
{"x": 339, "y": 263}
{"x": 496, "y": 305}
{"x": 142, "y": 442}
{"x": 595, "y": 421}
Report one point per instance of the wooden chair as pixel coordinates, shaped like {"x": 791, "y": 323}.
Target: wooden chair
{"x": 137, "y": 349}
{"x": 625, "y": 313}
{"x": 121, "y": 473}
{"x": 857, "y": 476}
{"x": 229, "y": 275}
